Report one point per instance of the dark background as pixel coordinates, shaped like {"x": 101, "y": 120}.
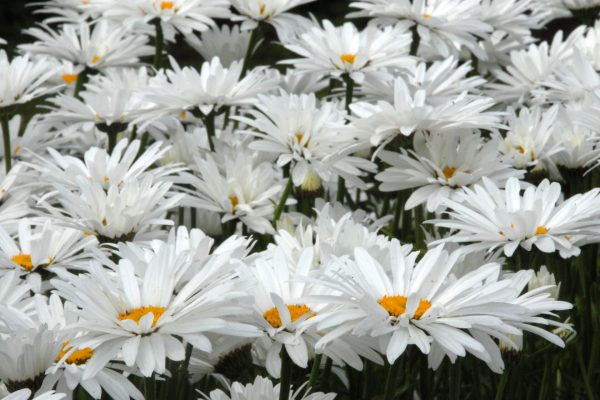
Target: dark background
{"x": 16, "y": 15}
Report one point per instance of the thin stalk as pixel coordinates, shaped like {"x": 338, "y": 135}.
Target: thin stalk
{"x": 414, "y": 46}
{"x": 112, "y": 142}
{"x": 209, "y": 123}
{"x": 502, "y": 385}
{"x": 81, "y": 79}
{"x": 143, "y": 144}
{"x": 349, "y": 95}
{"x": 314, "y": 372}
{"x": 159, "y": 41}
{"x": 586, "y": 381}
{"x": 420, "y": 235}
{"x": 390, "y": 382}
{"x": 183, "y": 372}
{"x": 397, "y": 213}
{"x": 254, "y": 38}
{"x": 286, "y": 375}
{"x": 6, "y": 136}
{"x": 282, "y": 201}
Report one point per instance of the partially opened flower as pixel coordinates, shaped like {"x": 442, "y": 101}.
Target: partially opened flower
{"x": 251, "y": 13}
{"x": 229, "y": 44}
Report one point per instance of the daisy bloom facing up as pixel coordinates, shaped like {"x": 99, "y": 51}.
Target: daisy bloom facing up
{"x": 408, "y": 303}
{"x": 100, "y": 46}
{"x": 239, "y": 187}
{"x": 44, "y": 248}
{"x": 214, "y": 86}
{"x": 184, "y": 16}
{"x": 490, "y": 218}
{"x": 343, "y": 50}
{"x": 442, "y": 163}
{"x": 124, "y": 212}
{"x": 309, "y": 137}
{"x": 282, "y": 312}
{"x": 445, "y": 26}
{"x": 144, "y": 319}
{"x": 263, "y": 389}
{"x": 251, "y": 12}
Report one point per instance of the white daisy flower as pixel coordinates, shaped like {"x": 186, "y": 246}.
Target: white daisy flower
{"x": 63, "y": 11}
{"x": 185, "y": 16}
{"x": 35, "y": 137}
{"x": 25, "y": 394}
{"x": 124, "y": 164}
{"x": 251, "y": 13}
{"x": 125, "y": 212}
{"x": 343, "y": 50}
{"x": 145, "y": 319}
{"x": 214, "y": 86}
{"x": 282, "y": 309}
{"x": 308, "y": 136}
{"x": 528, "y": 142}
{"x": 489, "y": 218}
{"x": 590, "y": 45}
{"x": 410, "y": 111}
{"x": 442, "y": 163}
{"x": 109, "y": 102}
{"x": 100, "y": 46}
{"x": 238, "y": 186}
{"x": 42, "y": 249}
{"x": 530, "y": 67}
{"x": 446, "y": 26}
{"x": 263, "y": 389}
{"x": 23, "y": 79}
{"x": 26, "y": 353}
{"x": 405, "y": 302}
{"x": 70, "y": 363}
{"x": 229, "y": 44}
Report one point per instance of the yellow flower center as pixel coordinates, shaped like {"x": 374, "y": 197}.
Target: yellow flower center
{"x": 426, "y": 15}
{"x": 95, "y": 59}
{"x": 234, "y": 202}
{"x": 166, "y": 5}
{"x": 17, "y": 150}
{"x": 541, "y": 230}
{"x": 263, "y": 8}
{"x": 296, "y": 312}
{"x": 520, "y": 149}
{"x": 137, "y": 313}
{"x": 105, "y": 179}
{"x": 348, "y": 58}
{"x": 69, "y": 78}
{"x": 78, "y": 357}
{"x": 449, "y": 172}
{"x": 182, "y": 115}
{"x": 396, "y": 306}
{"x": 24, "y": 260}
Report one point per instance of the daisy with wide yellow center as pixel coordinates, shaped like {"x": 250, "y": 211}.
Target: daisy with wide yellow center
{"x": 137, "y": 314}
{"x": 396, "y": 306}
{"x": 297, "y": 311}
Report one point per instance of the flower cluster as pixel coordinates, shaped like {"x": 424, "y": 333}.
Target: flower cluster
{"x": 408, "y": 193}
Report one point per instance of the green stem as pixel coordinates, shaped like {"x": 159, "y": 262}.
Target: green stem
{"x": 254, "y": 38}
{"x": 420, "y": 235}
{"x": 314, "y": 372}
{"x": 390, "y": 382}
{"x": 182, "y": 373}
{"x": 349, "y": 95}
{"x": 81, "y": 79}
{"x": 397, "y": 213}
{"x": 286, "y": 375}
{"x": 586, "y": 381}
{"x": 341, "y": 190}
{"x": 281, "y": 204}
{"x": 209, "y": 123}
{"x": 143, "y": 144}
{"x": 158, "y": 44}
{"x": 414, "y": 46}
{"x": 6, "y": 136}
{"x": 112, "y": 142}
{"x": 502, "y": 385}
